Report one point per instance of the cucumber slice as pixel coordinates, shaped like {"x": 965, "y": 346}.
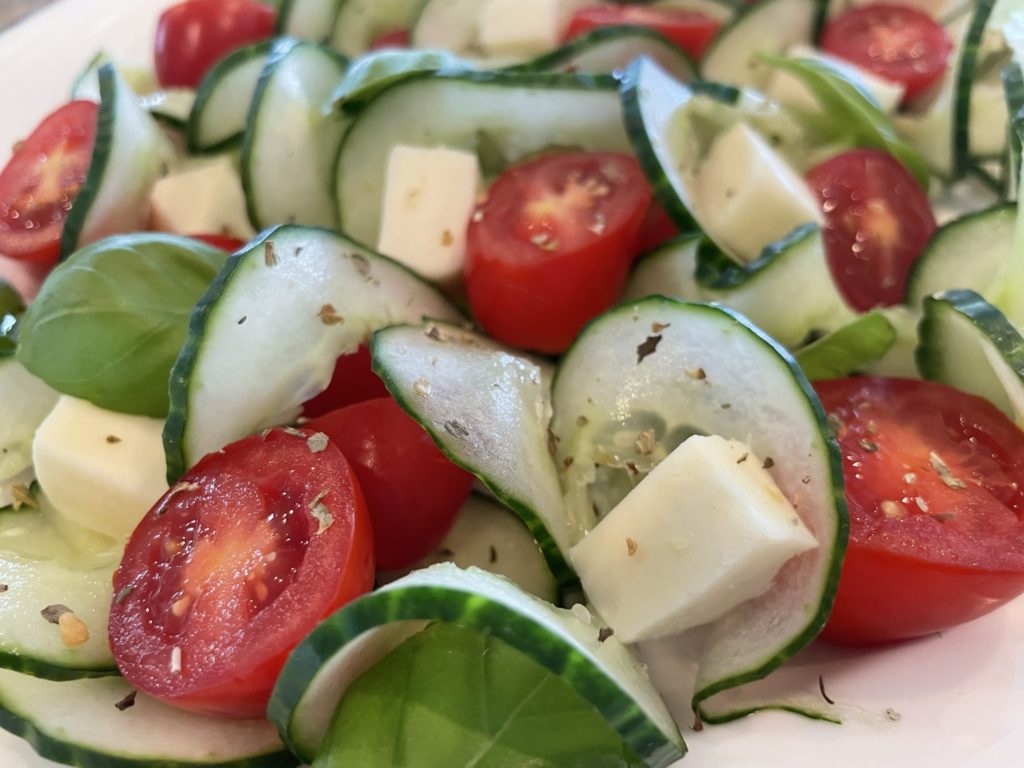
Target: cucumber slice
{"x": 266, "y": 336}
{"x": 488, "y": 410}
{"x": 171, "y": 107}
{"x": 25, "y": 401}
{"x": 42, "y": 564}
{"x": 770, "y": 27}
{"x": 130, "y": 154}
{"x": 311, "y": 20}
{"x": 987, "y": 236}
{"x": 969, "y": 344}
{"x": 353, "y": 639}
{"x": 609, "y": 49}
{"x": 511, "y": 114}
{"x": 447, "y": 25}
{"x": 77, "y": 723}
{"x": 670, "y": 370}
{"x": 222, "y": 102}
{"x": 293, "y": 137}
{"x": 360, "y": 22}
{"x": 788, "y": 291}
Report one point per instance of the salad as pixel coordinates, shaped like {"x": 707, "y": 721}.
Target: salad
{"x": 738, "y": 188}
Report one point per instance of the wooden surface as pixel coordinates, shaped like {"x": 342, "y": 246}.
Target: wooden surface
{"x": 12, "y": 11}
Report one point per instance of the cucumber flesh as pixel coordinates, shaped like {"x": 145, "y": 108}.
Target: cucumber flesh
{"x": 218, "y": 117}
{"x": 311, "y": 20}
{"x": 360, "y": 22}
{"x": 77, "y": 723}
{"x": 292, "y": 137}
{"x": 670, "y": 370}
{"x": 43, "y": 563}
{"x": 488, "y": 410}
{"x": 513, "y": 114}
{"x": 969, "y": 344}
{"x": 668, "y": 270}
{"x": 353, "y": 639}
{"x": 25, "y": 401}
{"x": 130, "y": 154}
{"x": 266, "y": 336}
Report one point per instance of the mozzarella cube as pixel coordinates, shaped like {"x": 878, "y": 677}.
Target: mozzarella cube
{"x": 790, "y": 90}
{"x": 100, "y": 469}
{"x": 522, "y": 28}
{"x": 748, "y": 196}
{"x": 204, "y": 199}
{"x": 429, "y": 195}
{"x": 706, "y": 530}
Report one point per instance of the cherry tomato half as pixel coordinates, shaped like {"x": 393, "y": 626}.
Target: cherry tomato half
{"x": 412, "y": 490}
{"x": 40, "y": 183}
{"x": 551, "y": 245}
{"x": 234, "y": 566}
{"x": 896, "y": 42}
{"x": 398, "y": 38}
{"x": 935, "y": 489}
{"x": 689, "y": 30}
{"x": 224, "y": 242}
{"x": 877, "y": 222}
{"x": 192, "y": 36}
{"x": 353, "y": 381}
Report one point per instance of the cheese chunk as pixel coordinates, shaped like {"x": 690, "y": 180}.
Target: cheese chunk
{"x": 706, "y": 530}
{"x": 204, "y": 199}
{"x": 748, "y": 197}
{"x": 429, "y": 194}
{"x": 523, "y": 28}
{"x": 790, "y": 90}
{"x": 100, "y": 469}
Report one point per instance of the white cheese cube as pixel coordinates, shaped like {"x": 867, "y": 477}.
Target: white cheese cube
{"x": 429, "y": 195}
{"x": 100, "y": 469}
{"x": 790, "y": 90}
{"x": 203, "y": 199}
{"x": 706, "y": 530}
{"x": 747, "y": 195}
{"x": 522, "y": 28}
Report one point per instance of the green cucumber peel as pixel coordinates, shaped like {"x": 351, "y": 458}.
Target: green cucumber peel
{"x": 372, "y": 73}
{"x": 849, "y": 114}
{"x": 477, "y": 701}
{"x": 110, "y": 321}
{"x": 849, "y": 349}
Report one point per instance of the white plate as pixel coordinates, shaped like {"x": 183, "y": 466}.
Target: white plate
{"x": 959, "y": 698}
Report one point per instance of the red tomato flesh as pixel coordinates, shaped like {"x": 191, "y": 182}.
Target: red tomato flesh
{"x": 353, "y": 381}
{"x": 877, "y": 222}
{"x": 192, "y": 36}
{"x": 896, "y": 42}
{"x": 934, "y": 482}
{"x": 551, "y": 246}
{"x": 412, "y": 490}
{"x": 689, "y": 30}
{"x": 398, "y": 38}
{"x": 40, "y": 182}
{"x": 233, "y": 567}
{"x": 223, "y": 242}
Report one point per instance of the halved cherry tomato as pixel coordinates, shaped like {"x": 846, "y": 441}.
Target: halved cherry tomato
{"x": 40, "y": 182}
{"x": 689, "y": 30}
{"x": 896, "y": 42}
{"x": 412, "y": 490}
{"x": 658, "y": 228}
{"x": 398, "y": 38}
{"x": 234, "y": 566}
{"x": 551, "y": 245}
{"x": 224, "y": 242}
{"x": 192, "y": 36}
{"x": 935, "y": 489}
{"x": 353, "y": 382}
{"x": 877, "y": 222}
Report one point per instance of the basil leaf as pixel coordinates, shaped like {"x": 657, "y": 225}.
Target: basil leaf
{"x": 847, "y": 112}
{"x": 11, "y": 305}
{"x": 454, "y": 697}
{"x": 110, "y": 321}
{"x": 849, "y": 349}
{"x": 10, "y": 300}
{"x": 370, "y": 74}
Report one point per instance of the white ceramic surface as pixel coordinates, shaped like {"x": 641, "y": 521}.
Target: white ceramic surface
{"x": 955, "y": 701}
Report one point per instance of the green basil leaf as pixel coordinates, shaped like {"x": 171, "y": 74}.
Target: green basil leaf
{"x": 454, "y": 697}
{"x": 11, "y": 306}
{"x": 849, "y": 349}
{"x": 10, "y": 300}
{"x": 375, "y": 71}
{"x": 110, "y": 321}
{"x": 847, "y": 112}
